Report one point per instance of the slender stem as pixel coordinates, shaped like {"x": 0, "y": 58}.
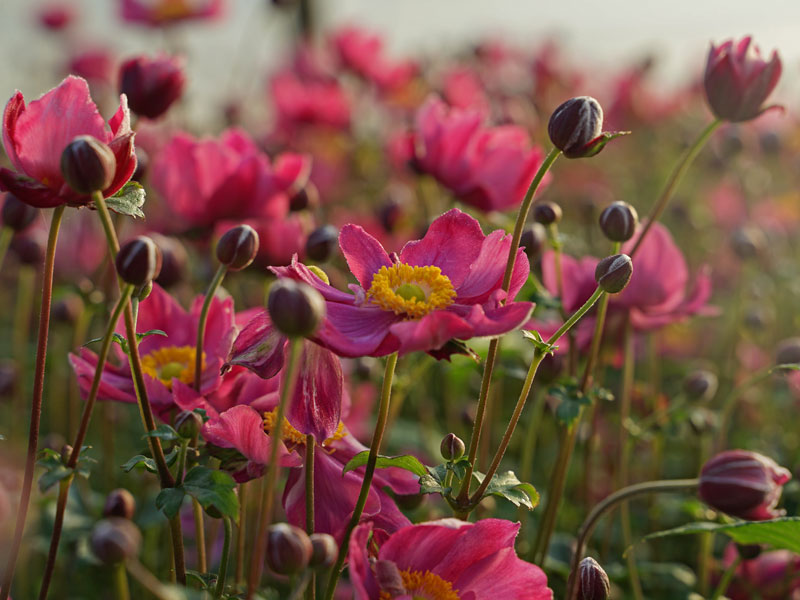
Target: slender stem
{"x": 585, "y": 532}
{"x": 36, "y": 404}
{"x": 6, "y": 233}
{"x": 528, "y": 454}
{"x": 310, "y": 447}
{"x": 201, "y": 324}
{"x": 240, "y": 533}
{"x": 199, "y": 536}
{"x": 80, "y": 437}
{"x": 121, "y": 587}
{"x": 725, "y": 581}
{"x": 372, "y": 459}
{"x": 491, "y": 356}
{"x": 674, "y": 179}
{"x": 289, "y": 380}
{"x": 26, "y": 291}
{"x": 223, "y": 565}
{"x": 181, "y": 469}
{"x": 148, "y": 581}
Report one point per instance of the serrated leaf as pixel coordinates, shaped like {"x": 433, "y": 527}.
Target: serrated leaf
{"x": 536, "y": 339}
{"x": 163, "y": 432}
{"x": 169, "y": 501}
{"x": 128, "y": 200}
{"x": 406, "y": 462}
{"x": 508, "y": 486}
{"x": 780, "y": 534}
{"x": 213, "y": 488}
{"x": 432, "y": 482}
{"x": 148, "y": 463}
{"x": 52, "y": 476}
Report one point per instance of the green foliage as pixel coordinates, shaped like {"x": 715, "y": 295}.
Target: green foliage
{"x": 128, "y": 200}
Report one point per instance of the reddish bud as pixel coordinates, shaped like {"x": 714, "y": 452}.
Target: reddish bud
{"x": 593, "y": 583}
{"x": 576, "y": 127}
{"x": 322, "y": 243}
{"x": 151, "y": 84}
{"x": 306, "y": 197}
{"x": 323, "y": 550}
{"x": 88, "y": 165}
{"x": 115, "y": 539}
{"x": 16, "y": 214}
{"x": 547, "y": 213}
{"x": 138, "y": 261}
{"x": 701, "y": 385}
{"x": 533, "y": 240}
{"x": 452, "y": 447}
{"x": 289, "y": 549}
{"x": 119, "y": 503}
{"x": 614, "y": 272}
{"x": 238, "y": 247}
{"x": 618, "y": 221}
{"x": 173, "y": 260}
{"x": 29, "y": 249}
{"x": 296, "y": 309}
{"x": 188, "y": 424}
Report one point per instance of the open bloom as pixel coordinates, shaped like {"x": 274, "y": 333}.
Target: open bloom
{"x": 444, "y": 560}
{"x": 489, "y": 168}
{"x": 446, "y": 286}
{"x": 738, "y": 80}
{"x": 362, "y": 52}
{"x": 35, "y": 135}
{"x": 152, "y": 84}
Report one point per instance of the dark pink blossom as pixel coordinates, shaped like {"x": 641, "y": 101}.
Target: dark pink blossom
{"x": 770, "y": 576}
{"x": 34, "y": 136}
{"x": 362, "y": 52}
{"x": 167, "y": 12}
{"x": 300, "y": 102}
{"x": 56, "y": 16}
{"x": 448, "y": 559}
{"x": 152, "y": 85}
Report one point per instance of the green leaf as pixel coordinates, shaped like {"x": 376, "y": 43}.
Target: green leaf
{"x": 149, "y": 332}
{"x": 407, "y": 462}
{"x": 169, "y": 501}
{"x": 52, "y": 476}
{"x": 129, "y": 200}
{"x": 148, "y": 463}
{"x": 213, "y": 488}
{"x": 572, "y": 400}
{"x": 781, "y": 534}
{"x": 433, "y": 481}
{"x": 506, "y": 485}
{"x": 164, "y": 432}
{"x": 536, "y": 339}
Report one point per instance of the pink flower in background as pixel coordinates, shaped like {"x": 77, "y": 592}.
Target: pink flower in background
{"x": 362, "y": 52}
{"x": 34, "y": 136}
{"x": 97, "y": 65}
{"x": 489, "y": 168}
{"x": 152, "y": 85}
{"x": 444, "y": 287}
{"x": 447, "y": 559}
{"x": 300, "y": 102}
{"x": 56, "y": 16}
{"x": 463, "y": 88}
{"x": 167, "y": 12}
{"x": 770, "y": 576}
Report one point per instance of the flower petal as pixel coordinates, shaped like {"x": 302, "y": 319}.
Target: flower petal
{"x": 430, "y": 332}
{"x": 259, "y": 347}
{"x": 316, "y": 404}
{"x": 364, "y": 254}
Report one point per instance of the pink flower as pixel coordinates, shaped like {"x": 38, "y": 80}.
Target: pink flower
{"x": 300, "y": 102}
{"x": 442, "y": 288}
{"x": 95, "y": 64}
{"x": 167, "y": 12}
{"x": 738, "y": 81}
{"x": 489, "y": 168}
{"x": 152, "y": 84}
{"x": 209, "y": 180}
{"x": 770, "y": 576}
{"x": 446, "y": 559}
{"x": 168, "y": 362}
{"x": 34, "y": 137}
{"x": 362, "y": 52}
{"x": 56, "y": 16}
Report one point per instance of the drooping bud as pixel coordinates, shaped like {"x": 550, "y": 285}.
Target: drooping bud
{"x": 16, "y": 214}
{"x": 115, "y": 539}
{"x": 295, "y": 308}
{"x": 188, "y": 424}
{"x": 322, "y": 243}
{"x": 618, "y": 221}
{"x": 119, "y": 503}
{"x": 306, "y": 197}
{"x": 452, "y": 447}
{"x": 743, "y": 484}
{"x": 593, "y": 583}
{"x": 238, "y": 247}
{"x": 288, "y": 549}
{"x": 547, "y": 213}
{"x": 614, "y": 272}
{"x": 88, "y": 165}
{"x": 152, "y": 85}
{"x": 138, "y": 261}
{"x": 323, "y": 550}
{"x": 701, "y": 385}
{"x": 576, "y": 127}
{"x": 788, "y": 352}
{"x": 533, "y": 240}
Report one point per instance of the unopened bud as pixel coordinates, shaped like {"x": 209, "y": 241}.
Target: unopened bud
{"x": 115, "y": 539}
{"x": 68, "y": 308}
{"x": 152, "y": 85}
{"x": 452, "y": 447}
{"x": 29, "y": 249}
{"x": 788, "y": 352}
{"x": 618, "y": 221}
{"x": 88, "y": 165}
{"x": 322, "y": 243}
{"x": 173, "y": 260}
{"x": 119, "y": 503}
{"x": 703, "y": 421}
{"x": 66, "y": 452}
{"x": 547, "y": 213}
{"x": 238, "y": 247}
{"x": 575, "y": 126}
{"x": 593, "y": 583}
{"x": 700, "y": 385}
{"x": 323, "y": 550}
{"x": 550, "y": 368}
{"x": 188, "y": 424}
{"x": 306, "y": 197}
{"x": 533, "y": 240}
{"x": 390, "y": 214}
{"x": 295, "y": 308}
{"x": 16, "y": 214}
{"x": 138, "y": 261}
{"x": 747, "y": 242}
{"x": 614, "y": 272}
{"x": 288, "y": 549}
{"x": 748, "y": 551}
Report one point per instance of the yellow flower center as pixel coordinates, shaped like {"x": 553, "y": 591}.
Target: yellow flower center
{"x": 291, "y": 437}
{"x": 171, "y": 362}
{"x": 411, "y": 291}
{"x": 425, "y": 586}
{"x": 172, "y": 9}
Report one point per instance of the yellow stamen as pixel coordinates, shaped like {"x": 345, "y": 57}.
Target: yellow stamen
{"x": 292, "y": 437}
{"x": 171, "y": 362}
{"x": 424, "y": 585}
{"x": 411, "y": 291}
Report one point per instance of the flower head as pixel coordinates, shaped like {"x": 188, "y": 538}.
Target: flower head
{"x": 152, "y": 84}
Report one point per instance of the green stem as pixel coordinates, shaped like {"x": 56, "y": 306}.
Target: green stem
{"x": 201, "y": 324}
{"x": 36, "y": 403}
{"x": 148, "y": 581}
{"x": 585, "y": 532}
{"x": 223, "y": 565}
{"x": 725, "y": 581}
{"x": 290, "y": 377}
{"x": 372, "y": 459}
{"x": 199, "y": 536}
{"x": 674, "y": 179}
{"x": 181, "y": 468}
{"x": 241, "y": 538}
{"x": 6, "y": 233}
{"x": 555, "y": 244}
{"x": 121, "y": 587}
{"x": 491, "y": 356}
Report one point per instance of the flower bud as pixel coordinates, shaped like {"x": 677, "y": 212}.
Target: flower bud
{"x": 173, "y": 260}
{"x": 68, "y": 308}
{"x": 323, "y": 550}
{"x": 701, "y": 385}
{"x": 322, "y": 243}
{"x": 389, "y": 214}
{"x": 748, "y": 551}
{"x": 533, "y": 240}
{"x": 238, "y": 247}
{"x": 703, "y": 421}
{"x": 138, "y": 261}
{"x": 295, "y": 308}
{"x": 88, "y": 165}
{"x": 788, "y": 352}
{"x": 550, "y": 368}
{"x": 188, "y": 424}
{"x": 152, "y": 85}
{"x": 593, "y": 583}
{"x": 143, "y": 292}
{"x": 618, "y": 221}
{"x": 306, "y": 197}
{"x": 66, "y": 452}
{"x": 288, "y": 549}
{"x": 409, "y": 501}
{"x": 142, "y": 164}
{"x": 8, "y": 380}
{"x": 119, "y": 503}
{"x": 747, "y": 242}
{"x": 770, "y": 143}
{"x": 29, "y": 249}
{"x": 576, "y": 126}
{"x": 614, "y": 272}
{"x": 743, "y": 484}
{"x": 115, "y": 539}
{"x": 452, "y": 447}
{"x": 16, "y": 214}
{"x": 547, "y": 213}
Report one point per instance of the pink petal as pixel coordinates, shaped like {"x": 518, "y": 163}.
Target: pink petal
{"x": 299, "y": 272}
{"x": 494, "y": 321}
{"x": 503, "y": 575}
{"x": 14, "y": 108}
{"x": 316, "y": 405}
{"x": 422, "y": 547}
{"x": 364, "y": 254}
{"x": 354, "y": 331}
{"x": 486, "y": 272}
{"x": 115, "y": 384}
{"x": 241, "y": 428}
{"x": 431, "y": 332}
{"x": 28, "y": 190}
{"x": 259, "y": 347}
